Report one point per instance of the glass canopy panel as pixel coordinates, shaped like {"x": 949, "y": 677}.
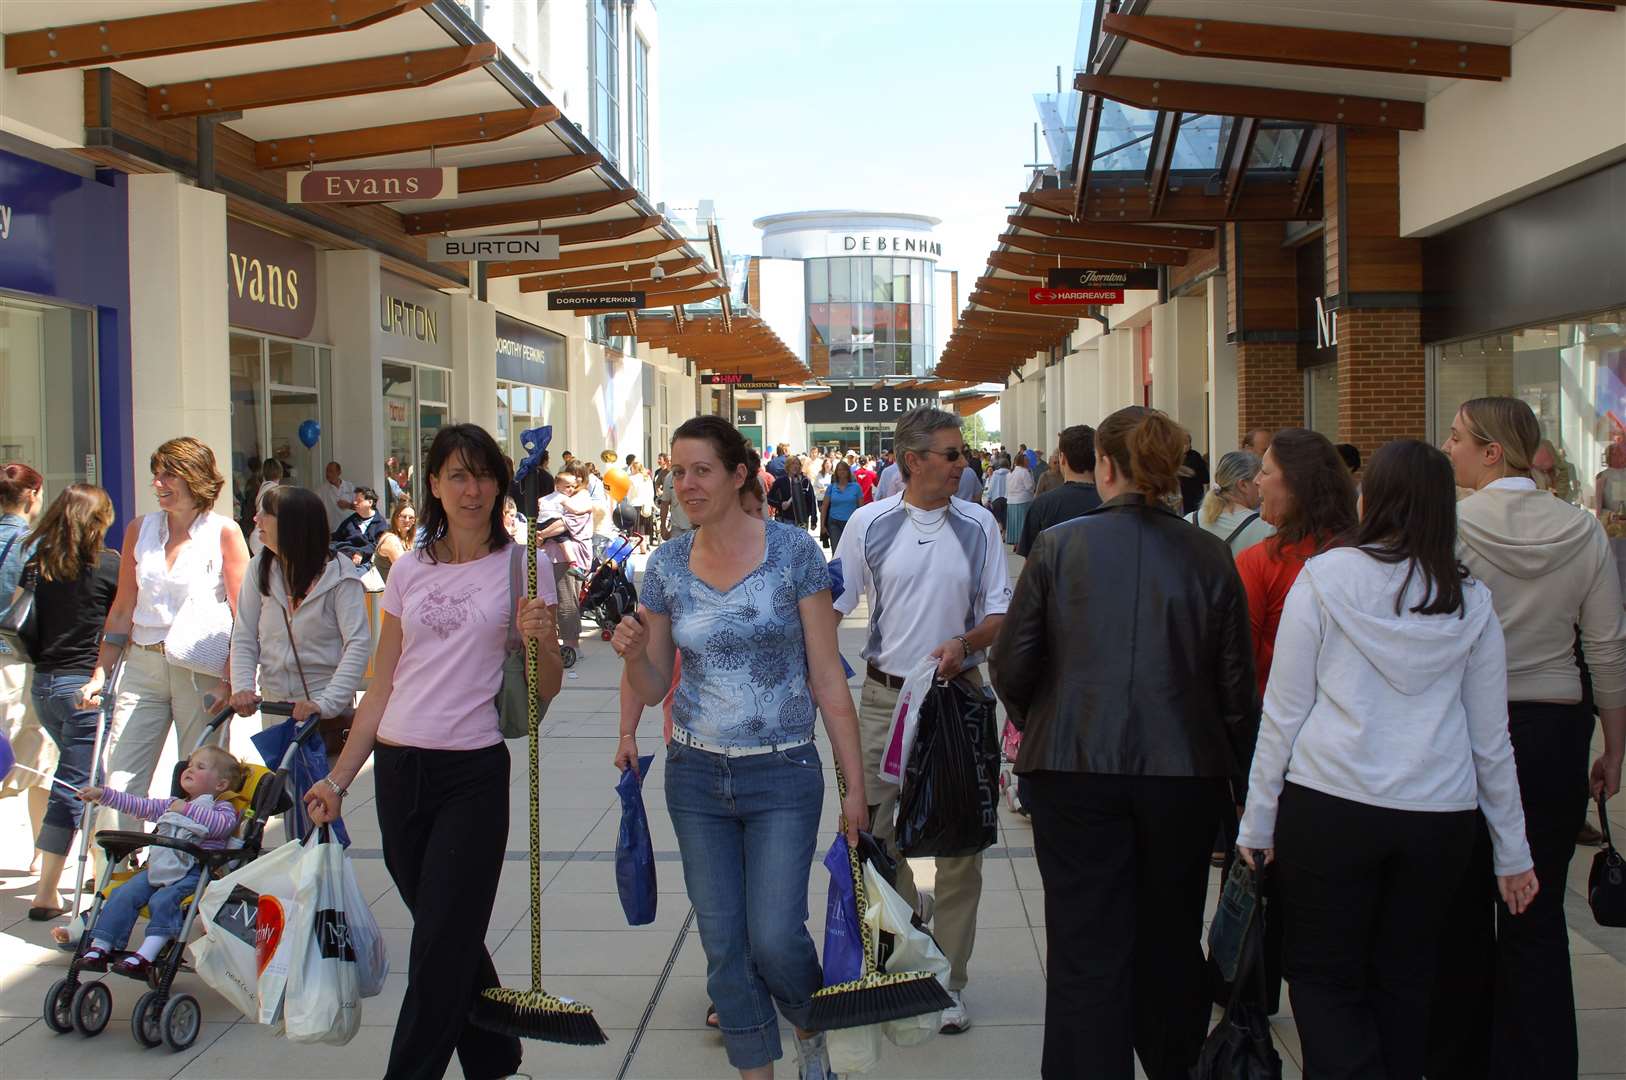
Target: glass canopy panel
{"x": 1199, "y": 143}
{"x": 1276, "y": 147}
{"x": 1124, "y": 142}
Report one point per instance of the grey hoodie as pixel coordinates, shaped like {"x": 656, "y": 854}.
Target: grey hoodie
{"x": 331, "y": 632}
{"x": 1405, "y": 711}
{"x": 1549, "y": 569}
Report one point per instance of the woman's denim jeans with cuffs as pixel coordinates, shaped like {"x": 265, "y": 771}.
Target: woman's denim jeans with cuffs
{"x": 74, "y": 731}
{"x": 747, "y": 828}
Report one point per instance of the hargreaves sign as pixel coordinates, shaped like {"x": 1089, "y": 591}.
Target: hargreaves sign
{"x": 854, "y": 404}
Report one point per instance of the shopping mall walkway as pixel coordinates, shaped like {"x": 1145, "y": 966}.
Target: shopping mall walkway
{"x": 646, "y": 985}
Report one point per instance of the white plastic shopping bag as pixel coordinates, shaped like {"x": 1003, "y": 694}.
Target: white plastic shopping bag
{"x": 905, "y": 719}
{"x": 323, "y": 1000}
{"x": 372, "y": 957}
{"x": 246, "y": 916}
{"x": 899, "y": 946}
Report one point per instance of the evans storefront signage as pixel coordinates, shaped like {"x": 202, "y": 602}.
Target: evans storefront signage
{"x": 270, "y": 281}
{"x": 864, "y": 405}
{"x": 529, "y": 354}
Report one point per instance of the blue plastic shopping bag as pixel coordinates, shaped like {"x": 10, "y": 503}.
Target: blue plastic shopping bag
{"x": 843, "y": 934}
{"x": 634, "y": 853}
{"x": 308, "y": 766}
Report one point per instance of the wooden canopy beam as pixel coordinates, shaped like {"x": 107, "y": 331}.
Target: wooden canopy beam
{"x": 1584, "y": 5}
{"x": 552, "y": 208}
{"x": 1106, "y": 232}
{"x": 106, "y": 40}
{"x": 1089, "y": 249}
{"x": 1262, "y": 102}
{"x": 1314, "y": 47}
{"x": 1037, "y": 266}
{"x": 404, "y": 138}
{"x": 508, "y": 174}
{"x": 614, "y": 275}
{"x": 1193, "y": 205}
{"x": 1237, "y": 154}
{"x": 614, "y": 254}
{"x": 693, "y": 296}
{"x": 316, "y": 82}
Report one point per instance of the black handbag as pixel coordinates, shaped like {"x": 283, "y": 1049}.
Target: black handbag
{"x": 1238, "y": 903}
{"x": 1606, "y": 885}
{"x": 949, "y": 805}
{"x": 20, "y": 622}
{"x": 1239, "y": 1047}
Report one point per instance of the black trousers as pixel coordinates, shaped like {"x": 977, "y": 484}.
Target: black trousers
{"x": 1363, "y": 892}
{"x": 1504, "y": 1004}
{"x": 444, "y": 819}
{"x": 1125, "y": 867}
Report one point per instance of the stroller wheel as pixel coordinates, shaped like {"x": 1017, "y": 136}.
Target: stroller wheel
{"x": 145, "y": 1020}
{"x": 182, "y": 1019}
{"x": 92, "y": 1008}
{"x": 567, "y": 655}
{"x": 59, "y": 1007}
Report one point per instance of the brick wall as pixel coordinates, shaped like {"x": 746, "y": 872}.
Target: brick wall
{"x": 1382, "y": 386}
{"x": 1269, "y": 386}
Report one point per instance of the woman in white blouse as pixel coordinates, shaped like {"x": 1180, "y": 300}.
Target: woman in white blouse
{"x": 180, "y": 572}
{"x": 1019, "y": 485}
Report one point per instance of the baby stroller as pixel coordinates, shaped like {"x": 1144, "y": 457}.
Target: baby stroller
{"x": 76, "y": 1004}
{"x": 608, "y": 594}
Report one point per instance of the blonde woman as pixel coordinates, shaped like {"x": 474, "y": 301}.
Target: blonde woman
{"x": 399, "y": 538}
{"x": 1230, "y": 509}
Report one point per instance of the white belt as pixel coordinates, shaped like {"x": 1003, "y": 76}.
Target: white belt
{"x": 681, "y": 736}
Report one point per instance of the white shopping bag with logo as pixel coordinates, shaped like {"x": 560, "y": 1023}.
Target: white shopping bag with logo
{"x": 246, "y": 916}
{"x": 323, "y": 999}
{"x": 900, "y": 736}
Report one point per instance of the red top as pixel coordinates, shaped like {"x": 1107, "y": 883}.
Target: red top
{"x": 866, "y": 482}
{"x": 1268, "y": 570}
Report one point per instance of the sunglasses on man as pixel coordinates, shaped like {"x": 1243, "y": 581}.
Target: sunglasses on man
{"x": 953, "y": 453}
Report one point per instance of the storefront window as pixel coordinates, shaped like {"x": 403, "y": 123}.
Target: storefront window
{"x": 870, "y": 316}
{"x": 47, "y": 368}
{"x": 1572, "y": 374}
{"x": 1321, "y": 399}
{"x": 520, "y": 408}
{"x": 276, "y": 386}
{"x": 417, "y": 404}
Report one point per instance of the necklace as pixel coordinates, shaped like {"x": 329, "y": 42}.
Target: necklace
{"x": 921, "y": 522}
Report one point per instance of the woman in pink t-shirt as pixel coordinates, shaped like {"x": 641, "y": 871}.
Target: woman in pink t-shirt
{"x": 441, "y": 775}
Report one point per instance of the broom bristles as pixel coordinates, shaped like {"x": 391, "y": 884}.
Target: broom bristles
{"x": 876, "y": 999}
{"x": 533, "y": 1014}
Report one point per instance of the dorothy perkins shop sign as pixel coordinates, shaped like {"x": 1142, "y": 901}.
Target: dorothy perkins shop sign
{"x": 855, "y": 404}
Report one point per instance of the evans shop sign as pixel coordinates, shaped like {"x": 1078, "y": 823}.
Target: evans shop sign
{"x": 864, "y": 405}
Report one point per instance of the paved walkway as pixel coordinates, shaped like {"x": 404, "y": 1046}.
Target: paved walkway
{"x": 646, "y": 985}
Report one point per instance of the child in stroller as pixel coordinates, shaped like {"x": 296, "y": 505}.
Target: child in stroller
{"x": 170, "y": 875}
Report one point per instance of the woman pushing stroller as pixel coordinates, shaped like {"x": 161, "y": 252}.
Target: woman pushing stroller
{"x": 170, "y": 876}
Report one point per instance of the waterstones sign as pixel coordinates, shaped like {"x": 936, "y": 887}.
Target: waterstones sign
{"x": 864, "y": 404}
{"x": 270, "y": 281}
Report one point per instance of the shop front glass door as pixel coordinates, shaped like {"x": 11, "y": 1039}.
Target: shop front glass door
{"x": 294, "y": 400}
{"x": 48, "y": 392}
{"x": 434, "y": 412}
{"x": 399, "y": 407}
{"x": 247, "y": 416}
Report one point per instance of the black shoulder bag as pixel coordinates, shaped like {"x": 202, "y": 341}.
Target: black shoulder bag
{"x": 1236, "y": 532}
{"x": 1239, "y": 1047}
{"x": 1606, "y": 885}
{"x": 21, "y": 622}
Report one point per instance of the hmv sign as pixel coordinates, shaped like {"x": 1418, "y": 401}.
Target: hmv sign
{"x": 864, "y": 404}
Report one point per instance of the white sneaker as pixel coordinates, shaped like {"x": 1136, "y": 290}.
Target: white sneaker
{"x": 925, "y": 906}
{"x": 955, "y": 1018}
{"x": 812, "y": 1059}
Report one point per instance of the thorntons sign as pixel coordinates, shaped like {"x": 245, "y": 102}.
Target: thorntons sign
{"x": 864, "y": 404}
{"x": 876, "y": 244}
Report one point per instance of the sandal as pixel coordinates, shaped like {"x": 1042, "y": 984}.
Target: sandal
{"x": 46, "y": 914}
{"x": 95, "y": 959}
{"x": 711, "y": 1017}
{"x": 134, "y": 966}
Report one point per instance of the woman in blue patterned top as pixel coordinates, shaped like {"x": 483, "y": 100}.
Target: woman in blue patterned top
{"x": 747, "y": 603}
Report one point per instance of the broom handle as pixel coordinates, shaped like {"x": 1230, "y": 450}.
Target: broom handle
{"x": 533, "y": 715}
{"x": 857, "y": 868}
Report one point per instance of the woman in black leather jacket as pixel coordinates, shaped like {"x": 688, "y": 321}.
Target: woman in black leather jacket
{"x": 1125, "y": 654}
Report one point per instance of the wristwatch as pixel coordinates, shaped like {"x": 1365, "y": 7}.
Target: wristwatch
{"x": 337, "y": 790}
{"x": 964, "y": 644}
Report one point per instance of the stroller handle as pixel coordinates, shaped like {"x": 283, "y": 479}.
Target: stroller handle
{"x": 286, "y": 708}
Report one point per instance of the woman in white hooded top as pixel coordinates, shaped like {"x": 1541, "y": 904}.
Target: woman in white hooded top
{"x": 295, "y": 585}
{"x": 1508, "y": 1002}
{"x": 1384, "y": 729}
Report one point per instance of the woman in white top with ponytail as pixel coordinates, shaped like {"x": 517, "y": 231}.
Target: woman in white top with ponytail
{"x": 179, "y": 575}
{"x": 1230, "y": 509}
{"x": 1384, "y": 734}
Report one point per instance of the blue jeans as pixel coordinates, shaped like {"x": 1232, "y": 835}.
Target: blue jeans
{"x": 123, "y": 908}
{"x": 747, "y": 827}
{"x": 74, "y": 732}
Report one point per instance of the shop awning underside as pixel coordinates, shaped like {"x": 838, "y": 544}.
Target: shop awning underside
{"x": 1197, "y": 113}
{"x": 237, "y": 95}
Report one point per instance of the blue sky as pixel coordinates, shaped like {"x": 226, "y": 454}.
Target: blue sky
{"x": 922, "y": 106}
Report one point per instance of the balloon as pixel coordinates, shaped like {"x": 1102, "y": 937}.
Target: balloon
{"x": 309, "y": 433}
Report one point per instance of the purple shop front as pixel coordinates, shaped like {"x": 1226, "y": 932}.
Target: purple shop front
{"x": 65, "y": 317}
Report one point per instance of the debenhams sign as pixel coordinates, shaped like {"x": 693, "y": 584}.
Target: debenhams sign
{"x": 885, "y": 244}
{"x": 864, "y": 404}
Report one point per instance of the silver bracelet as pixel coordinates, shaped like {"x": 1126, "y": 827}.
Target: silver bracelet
{"x": 337, "y": 790}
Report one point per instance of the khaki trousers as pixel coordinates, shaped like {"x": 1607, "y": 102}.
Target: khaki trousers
{"x": 152, "y": 697}
{"x": 959, "y": 881}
